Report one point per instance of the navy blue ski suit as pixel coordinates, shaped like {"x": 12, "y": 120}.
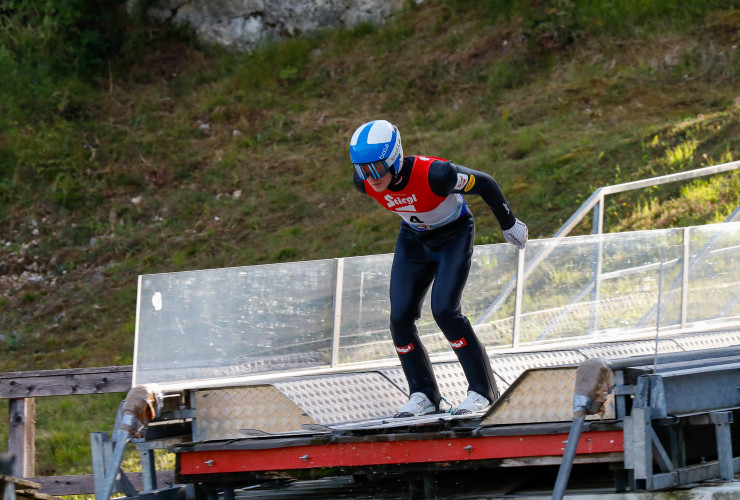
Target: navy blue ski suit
{"x": 435, "y": 244}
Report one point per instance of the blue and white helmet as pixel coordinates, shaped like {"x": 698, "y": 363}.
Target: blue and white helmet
{"x": 375, "y": 149}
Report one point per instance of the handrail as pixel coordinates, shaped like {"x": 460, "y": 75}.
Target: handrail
{"x": 601, "y": 192}
{"x": 595, "y": 202}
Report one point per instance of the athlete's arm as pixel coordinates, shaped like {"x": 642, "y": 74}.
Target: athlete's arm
{"x": 446, "y": 178}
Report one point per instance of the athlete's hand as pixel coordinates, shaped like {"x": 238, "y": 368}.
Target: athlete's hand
{"x": 518, "y": 234}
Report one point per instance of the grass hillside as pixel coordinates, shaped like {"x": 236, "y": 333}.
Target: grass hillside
{"x": 133, "y": 148}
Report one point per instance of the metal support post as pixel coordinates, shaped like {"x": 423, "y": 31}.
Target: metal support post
{"x": 114, "y": 479}
{"x": 659, "y": 309}
{"x": 656, "y": 400}
{"x": 6, "y": 468}
{"x": 518, "y": 297}
{"x": 596, "y": 264}
{"x": 629, "y": 451}
{"x": 685, "y": 277}
{"x": 9, "y": 492}
{"x": 100, "y": 449}
{"x": 597, "y": 226}
{"x": 337, "y": 322}
{"x": 228, "y": 492}
{"x": 638, "y": 442}
{"x": 647, "y": 449}
{"x": 642, "y": 443}
{"x": 569, "y": 455}
{"x": 722, "y": 421}
{"x": 148, "y": 470}
{"x": 421, "y": 485}
{"x": 678, "y": 445}
{"x": 621, "y": 394}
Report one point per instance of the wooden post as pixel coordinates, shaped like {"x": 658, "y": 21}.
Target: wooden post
{"x": 20, "y": 389}
{"x": 22, "y": 436}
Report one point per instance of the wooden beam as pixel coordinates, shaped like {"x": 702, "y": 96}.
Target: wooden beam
{"x": 20, "y": 483}
{"x": 22, "y": 436}
{"x": 65, "y": 382}
{"x": 84, "y": 484}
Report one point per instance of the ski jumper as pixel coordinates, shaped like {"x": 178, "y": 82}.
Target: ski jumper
{"x": 435, "y": 244}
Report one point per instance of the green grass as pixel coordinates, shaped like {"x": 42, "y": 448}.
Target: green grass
{"x": 161, "y": 154}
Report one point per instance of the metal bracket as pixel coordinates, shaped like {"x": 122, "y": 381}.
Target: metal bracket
{"x": 721, "y": 421}
{"x": 101, "y": 448}
{"x": 643, "y": 447}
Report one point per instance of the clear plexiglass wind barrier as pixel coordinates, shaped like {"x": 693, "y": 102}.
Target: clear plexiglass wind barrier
{"x": 242, "y": 321}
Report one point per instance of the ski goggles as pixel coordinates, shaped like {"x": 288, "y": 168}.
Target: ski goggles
{"x": 375, "y": 169}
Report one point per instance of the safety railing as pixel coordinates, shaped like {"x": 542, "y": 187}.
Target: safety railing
{"x": 596, "y": 203}
{"x": 246, "y": 321}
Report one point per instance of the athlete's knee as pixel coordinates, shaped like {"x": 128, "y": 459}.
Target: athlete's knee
{"x": 401, "y": 319}
{"x": 447, "y": 316}
{"x": 403, "y": 334}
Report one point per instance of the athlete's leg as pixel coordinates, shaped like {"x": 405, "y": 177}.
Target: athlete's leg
{"x": 411, "y": 275}
{"x": 452, "y": 273}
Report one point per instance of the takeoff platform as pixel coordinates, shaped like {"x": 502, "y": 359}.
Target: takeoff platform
{"x": 282, "y": 379}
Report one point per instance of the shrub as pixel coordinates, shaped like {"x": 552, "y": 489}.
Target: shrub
{"x": 58, "y": 34}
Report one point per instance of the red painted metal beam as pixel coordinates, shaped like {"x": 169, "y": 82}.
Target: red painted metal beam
{"x": 394, "y": 452}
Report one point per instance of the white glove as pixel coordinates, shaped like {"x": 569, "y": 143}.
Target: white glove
{"x": 517, "y": 234}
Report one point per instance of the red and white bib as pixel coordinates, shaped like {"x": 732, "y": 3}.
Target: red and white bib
{"x": 417, "y": 204}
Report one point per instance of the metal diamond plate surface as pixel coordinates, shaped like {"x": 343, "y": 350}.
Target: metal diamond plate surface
{"x": 396, "y": 377}
{"x": 452, "y": 382}
{"x": 222, "y": 413}
{"x": 510, "y": 366}
{"x": 708, "y": 340}
{"x": 450, "y": 378}
{"x": 345, "y": 397}
{"x": 627, "y": 349}
{"x": 506, "y": 369}
{"x": 535, "y": 390}
{"x": 543, "y": 395}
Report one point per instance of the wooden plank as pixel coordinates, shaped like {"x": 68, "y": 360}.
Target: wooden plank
{"x": 22, "y": 436}
{"x": 65, "y": 382}
{"x": 611, "y": 457}
{"x": 85, "y": 484}
{"x": 25, "y": 488}
{"x": 20, "y": 483}
{"x": 66, "y": 371}
{"x": 34, "y": 495}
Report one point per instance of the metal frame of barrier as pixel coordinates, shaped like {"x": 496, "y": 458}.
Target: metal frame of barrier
{"x": 333, "y": 313}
